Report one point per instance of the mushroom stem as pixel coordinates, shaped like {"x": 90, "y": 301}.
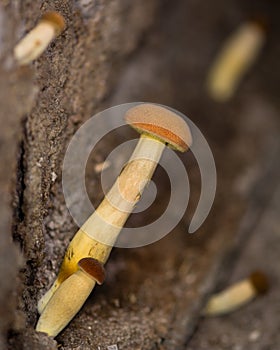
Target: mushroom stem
{"x": 236, "y": 295}
{"x": 98, "y": 234}
{"x": 92, "y": 244}
{"x": 67, "y": 301}
{"x": 70, "y": 296}
{"x": 237, "y": 56}
{"x": 36, "y": 41}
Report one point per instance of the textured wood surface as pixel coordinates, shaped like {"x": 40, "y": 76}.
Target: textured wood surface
{"x": 153, "y": 295}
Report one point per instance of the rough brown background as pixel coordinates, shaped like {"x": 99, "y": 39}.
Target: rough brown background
{"x": 114, "y": 52}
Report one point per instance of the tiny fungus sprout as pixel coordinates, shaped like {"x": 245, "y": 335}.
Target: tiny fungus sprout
{"x": 158, "y": 127}
{"x": 237, "y": 295}
{"x": 237, "y": 56}
{"x": 36, "y": 41}
{"x": 70, "y": 296}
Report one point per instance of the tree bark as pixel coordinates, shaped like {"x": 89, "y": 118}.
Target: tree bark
{"x": 114, "y": 52}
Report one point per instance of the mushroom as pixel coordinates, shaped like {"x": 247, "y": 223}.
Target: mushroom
{"x": 70, "y": 296}
{"x": 36, "y": 41}
{"x": 158, "y": 127}
{"x": 237, "y": 56}
{"x": 237, "y": 295}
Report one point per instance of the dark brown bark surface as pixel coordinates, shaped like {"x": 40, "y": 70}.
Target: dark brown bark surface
{"x": 114, "y": 52}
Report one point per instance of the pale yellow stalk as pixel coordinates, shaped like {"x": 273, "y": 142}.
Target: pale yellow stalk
{"x": 96, "y": 237}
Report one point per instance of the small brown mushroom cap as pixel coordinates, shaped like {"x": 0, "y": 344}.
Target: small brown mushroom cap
{"x": 93, "y": 268}
{"x": 160, "y": 123}
{"x": 259, "y": 281}
{"x": 55, "y": 19}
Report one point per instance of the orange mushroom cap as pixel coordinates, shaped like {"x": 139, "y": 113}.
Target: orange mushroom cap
{"x": 93, "y": 268}
{"x": 259, "y": 281}
{"x": 161, "y": 123}
{"x": 55, "y": 19}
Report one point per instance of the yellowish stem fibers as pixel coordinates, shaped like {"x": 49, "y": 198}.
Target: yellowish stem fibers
{"x": 68, "y": 300}
{"x": 236, "y": 295}
{"x": 91, "y": 246}
{"x": 70, "y": 297}
{"x": 236, "y": 57}
{"x": 37, "y": 40}
{"x": 96, "y": 237}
